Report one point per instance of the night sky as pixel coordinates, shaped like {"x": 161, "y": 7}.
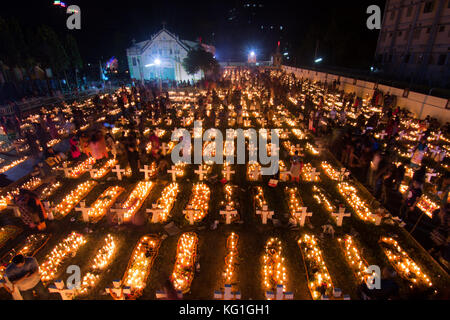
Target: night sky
{"x": 108, "y": 27}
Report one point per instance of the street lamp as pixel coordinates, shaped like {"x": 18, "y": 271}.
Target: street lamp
{"x": 318, "y": 60}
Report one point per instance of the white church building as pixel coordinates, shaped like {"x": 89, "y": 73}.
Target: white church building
{"x": 161, "y": 57}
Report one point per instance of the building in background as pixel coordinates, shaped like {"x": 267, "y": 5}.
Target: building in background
{"x": 161, "y": 57}
{"x": 414, "y": 42}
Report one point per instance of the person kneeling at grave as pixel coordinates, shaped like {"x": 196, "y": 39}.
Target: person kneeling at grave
{"x": 23, "y": 273}
{"x": 32, "y": 211}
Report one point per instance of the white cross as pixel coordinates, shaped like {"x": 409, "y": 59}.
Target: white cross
{"x": 120, "y": 214}
{"x": 265, "y": 214}
{"x": 228, "y": 172}
{"x": 430, "y": 176}
{"x": 156, "y": 213}
{"x": 164, "y": 148}
{"x": 435, "y": 151}
{"x": 300, "y": 216}
{"x": 314, "y": 174}
{"x": 229, "y": 213}
{"x": 147, "y": 172}
{"x": 84, "y": 211}
{"x": 201, "y": 172}
{"x": 59, "y": 287}
{"x": 117, "y": 291}
{"x": 190, "y": 213}
{"x": 279, "y": 294}
{"x": 383, "y": 134}
{"x": 118, "y": 171}
{"x": 65, "y": 169}
{"x": 227, "y": 294}
{"x": 174, "y": 173}
{"x": 340, "y": 216}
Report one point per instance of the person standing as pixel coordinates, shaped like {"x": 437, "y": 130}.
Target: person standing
{"x": 296, "y": 167}
{"x": 133, "y": 157}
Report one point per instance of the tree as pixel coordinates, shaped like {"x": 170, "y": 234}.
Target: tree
{"x": 200, "y": 60}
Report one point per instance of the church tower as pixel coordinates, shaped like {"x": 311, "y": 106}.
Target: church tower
{"x": 277, "y": 57}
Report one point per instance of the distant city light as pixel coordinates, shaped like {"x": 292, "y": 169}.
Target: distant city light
{"x": 318, "y": 60}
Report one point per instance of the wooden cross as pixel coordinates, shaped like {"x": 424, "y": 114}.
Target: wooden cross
{"x": 156, "y": 213}
{"x": 147, "y": 172}
{"x": 229, "y": 213}
{"x": 164, "y": 149}
{"x": 201, "y": 172}
{"x": 66, "y": 170}
{"x": 227, "y": 172}
{"x": 279, "y": 294}
{"x": 118, "y": 292}
{"x": 173, "y": 171}
{"x": 190, "y": 213}
{"x": 340, "y": 216}
{"x": 300, "y": 216}
{"x": 84, "y": 211}
{"x": 118, "y": 171}
{"x": 59, "y": 287}
{"x": 120, "y": 212}
{"x": 265, "y": 214}
{"x": 227, "y": 294}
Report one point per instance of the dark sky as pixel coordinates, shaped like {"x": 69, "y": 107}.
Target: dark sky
{"x": 108, "y": 26}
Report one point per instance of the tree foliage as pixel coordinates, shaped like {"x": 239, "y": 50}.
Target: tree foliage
{"x": 200, "y": 60}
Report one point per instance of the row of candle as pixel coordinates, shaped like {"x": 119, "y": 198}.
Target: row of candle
{"x": 104, "y": 202}
{"x": 309, "y": 173}
{"x": 360, "y": 206}
{"x": 274, "y": 269}
{"x": 140, "y": 264}
{"x": 401, "y": 261}
{"x": 105, "y": 169}
{"x": 136, "y": 199}
{"x": 354, "y": 257}
{"x": 319, "y": 279}
{"x": 231, "y": 259}
{"x": 29, "y": 247}
{"x": 167, "y": 200}
{"x": 295, "y": 202}
{"x": 72, "y": 199}
{"x": 12, "y": 164}
{"x": 183, "y": 270}
{"x": 199, "y": 202}
{"x": 321, "y": 197}
{"x": 330, "y": 171}
{"x": 101, "y": 260}
{"x": 81, "y": 168}
{"x": 53, "y": 261}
